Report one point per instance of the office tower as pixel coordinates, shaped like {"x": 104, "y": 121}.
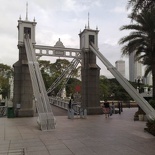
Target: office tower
{"x": 120, "y": 66}
{"x": 135, "y": 69}
{"x": 148, "y": 79}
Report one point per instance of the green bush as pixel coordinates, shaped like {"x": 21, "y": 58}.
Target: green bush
{"x": 152, "y": 103}
{"x": 151, "y": 123}
{"x": 151, "y": 127}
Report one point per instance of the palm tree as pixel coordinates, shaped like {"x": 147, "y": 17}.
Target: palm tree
{"x": 139, "y": 5}
{"x": 141, "y": 40}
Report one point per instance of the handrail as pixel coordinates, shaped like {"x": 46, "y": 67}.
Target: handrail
{"x": 59, "y": 102}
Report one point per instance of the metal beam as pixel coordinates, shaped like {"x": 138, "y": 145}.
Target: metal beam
{"x": 46, "y": 117}
{"x": 64, "y": 76}
{"x": 41, "y": 50}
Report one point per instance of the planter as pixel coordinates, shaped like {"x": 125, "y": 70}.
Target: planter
{"x": 141, "y": 117}
{"x": 152, "y": 132}
{"x": 145, "y": 118}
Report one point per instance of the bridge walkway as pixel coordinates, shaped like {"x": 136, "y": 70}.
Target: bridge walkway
{"x": 58, "y": 111}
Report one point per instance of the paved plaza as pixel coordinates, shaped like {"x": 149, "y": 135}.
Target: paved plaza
{"x": 96, "y": 135}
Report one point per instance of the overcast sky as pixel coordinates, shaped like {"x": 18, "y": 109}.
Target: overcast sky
{"x": 64, "y": 19}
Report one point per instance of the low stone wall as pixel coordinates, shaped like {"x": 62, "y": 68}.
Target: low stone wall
{"x": 124, "y": 104}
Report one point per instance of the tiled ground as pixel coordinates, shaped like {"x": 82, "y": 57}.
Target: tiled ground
{"x": 96, "y": 135}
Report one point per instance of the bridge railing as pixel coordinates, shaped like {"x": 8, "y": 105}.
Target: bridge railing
{"x": 59, "y": 102}
{"x": 63, "y": 103}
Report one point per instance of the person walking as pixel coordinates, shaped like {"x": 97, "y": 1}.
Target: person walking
{"x": 106, "y": 108}
{"x": 70, "y": 104}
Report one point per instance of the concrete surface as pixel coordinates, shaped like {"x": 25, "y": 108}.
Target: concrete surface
{"x": 96, "y": 135}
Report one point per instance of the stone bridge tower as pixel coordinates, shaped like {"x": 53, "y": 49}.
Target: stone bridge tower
{"x": 90, "y": 72}
{"x": 23, "y": 93}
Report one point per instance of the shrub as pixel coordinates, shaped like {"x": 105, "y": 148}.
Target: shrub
{"x": 152, "y": 103}
{"x": 151, "y": 127}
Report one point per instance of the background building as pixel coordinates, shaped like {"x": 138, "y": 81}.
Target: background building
{"x": 120, "y": 66}
{"x": 148, "y": 80}
{"x": 135, "y": 69}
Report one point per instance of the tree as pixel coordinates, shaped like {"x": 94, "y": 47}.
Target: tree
{"x": 6, "y": 72}
{"x": 140, "y": 5}
{"x": 117, "y": 92}
{"x": 141, "y": 40}
{"x": 104, "y": 87}
{"x": 71, "y": 86}
{"x": 45, "y": 71}
{"x": 51, "y": 71}
{"x": 110, "y": 89}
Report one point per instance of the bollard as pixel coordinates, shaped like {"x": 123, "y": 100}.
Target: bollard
{"x": 72, "y": 113}
{"x": 85, "y": 113}
{"x": 69, "y": 114}
{"x": 113, "y": 109}
{"x": 81, "y": 113}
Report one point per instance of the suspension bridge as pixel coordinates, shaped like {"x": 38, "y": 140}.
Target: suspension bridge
{"x": 29, "y": 88}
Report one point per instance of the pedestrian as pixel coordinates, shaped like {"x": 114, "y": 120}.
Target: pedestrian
{"x": 119, "y": 107}
{"x": 106, "y": 108}
{"x": 113, "y": 108}
{"x": 70, "y": 104}
{"x": 70, "y": 110}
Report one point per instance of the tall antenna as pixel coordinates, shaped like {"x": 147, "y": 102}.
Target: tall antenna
{"x": 88, "y": 20}
{"x": 27, "y": 11}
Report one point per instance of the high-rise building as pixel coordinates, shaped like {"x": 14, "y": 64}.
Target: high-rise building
{"x": 148, "y": 79}
{"x": 135, "y": 69}
{"x": 120, "y": 66}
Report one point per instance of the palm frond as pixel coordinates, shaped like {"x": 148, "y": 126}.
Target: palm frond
{"x": 148, "y": 70}
{"x": 140, "y": 5}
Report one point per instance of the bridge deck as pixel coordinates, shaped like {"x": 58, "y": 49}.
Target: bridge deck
{"x": 96, "y": 135}
{"x": 58, "y": 111}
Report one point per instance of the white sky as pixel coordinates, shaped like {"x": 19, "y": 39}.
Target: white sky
{"x": 64, "y": 19}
